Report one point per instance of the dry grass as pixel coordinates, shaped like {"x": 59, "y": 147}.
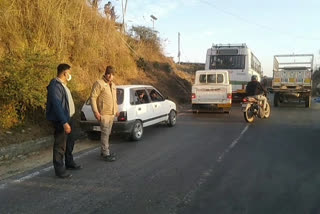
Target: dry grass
{"x": 71, "y": 31}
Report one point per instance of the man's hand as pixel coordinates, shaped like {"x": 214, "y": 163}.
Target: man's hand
{"x": 67, "y": 128}
{"x": 97, "y": 116}
{"x": 117, "y": 114}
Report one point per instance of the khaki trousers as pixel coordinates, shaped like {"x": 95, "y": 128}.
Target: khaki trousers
{"x": 106, "y": 126}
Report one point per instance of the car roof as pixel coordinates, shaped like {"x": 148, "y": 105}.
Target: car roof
{"x": 133, "y": 86}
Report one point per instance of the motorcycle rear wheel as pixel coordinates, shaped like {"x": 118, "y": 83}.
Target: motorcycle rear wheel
{"x": 248, "y": 116}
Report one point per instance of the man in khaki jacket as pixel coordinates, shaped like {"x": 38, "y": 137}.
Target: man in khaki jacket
{"x": 104, "y": 106}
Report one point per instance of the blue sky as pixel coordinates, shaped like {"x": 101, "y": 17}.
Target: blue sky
{"x": 267, "y": 27}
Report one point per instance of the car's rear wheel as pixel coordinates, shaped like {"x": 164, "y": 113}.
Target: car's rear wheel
{"x": 172, "y": 119}
{"x": 137, "y": 131}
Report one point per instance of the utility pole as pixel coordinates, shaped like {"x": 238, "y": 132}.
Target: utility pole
{"x": 179, "y": 53}
{"x": 124, "y": 10}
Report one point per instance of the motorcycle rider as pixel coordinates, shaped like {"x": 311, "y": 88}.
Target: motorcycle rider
{"x": 256, "y": 90}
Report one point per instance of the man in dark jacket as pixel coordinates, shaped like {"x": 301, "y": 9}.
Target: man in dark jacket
{"x": 60, "y": 109}
{"x": 255, "y": 89}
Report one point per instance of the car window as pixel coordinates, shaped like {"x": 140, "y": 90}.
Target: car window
{"x": 139, "y": 96}
{"x": 120, "y": 93}
{"x": 88, "y": 101}
{"x": 155, "y": 96}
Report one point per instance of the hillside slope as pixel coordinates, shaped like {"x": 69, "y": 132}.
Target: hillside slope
{"x": 35, "y": 36}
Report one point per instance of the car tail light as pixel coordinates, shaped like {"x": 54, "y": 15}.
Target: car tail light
{"x": 122, "y": 116}
{"x": 244, "y": 100}
{"x": 193, "y": 96}
{"x": 229, "y": 95}
{"x": 82, "y": 116}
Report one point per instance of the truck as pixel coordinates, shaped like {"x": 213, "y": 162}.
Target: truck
{"x": 292, "y": 78}
{"x": 211, "y": 91}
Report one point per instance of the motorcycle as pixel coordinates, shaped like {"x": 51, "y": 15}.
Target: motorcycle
{"x": 252, "y": 107}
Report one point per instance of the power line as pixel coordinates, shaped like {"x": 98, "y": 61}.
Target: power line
{"x": 264, "y": 27}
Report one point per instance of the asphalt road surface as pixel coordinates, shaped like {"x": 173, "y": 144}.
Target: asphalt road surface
{"x": 207, "y": 163}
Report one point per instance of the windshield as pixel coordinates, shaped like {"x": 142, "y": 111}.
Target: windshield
{"x": 227, "y": 62}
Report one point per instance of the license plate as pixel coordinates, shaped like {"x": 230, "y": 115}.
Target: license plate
{"x": 224, "y": 105}
{"x": 244, "y": 105}
{"x": 96, "y": 128}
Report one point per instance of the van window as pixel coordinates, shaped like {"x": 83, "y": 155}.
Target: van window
{"x": 211, "y": 78}
{"x": 203, "y": 78}
{"x": 220, "y": 78}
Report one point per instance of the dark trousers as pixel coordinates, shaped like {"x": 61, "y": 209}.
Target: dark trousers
{"x": 62, "y": 147}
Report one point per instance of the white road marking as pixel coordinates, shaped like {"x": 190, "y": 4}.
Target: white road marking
{"x": 232, "y": 144}
{"x": 31, "y": 175}
{"x": 204, "y": 176}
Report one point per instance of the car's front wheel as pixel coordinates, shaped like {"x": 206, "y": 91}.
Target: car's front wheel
{"x": 137, "y": 131}
{"x": 172, "y": 119}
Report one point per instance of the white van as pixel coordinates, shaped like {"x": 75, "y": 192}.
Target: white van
{"x": 211, "y": 91}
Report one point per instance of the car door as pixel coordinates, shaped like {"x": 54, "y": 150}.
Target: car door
{"x": 143, "y": 109}
{"x": 158, "y": 105}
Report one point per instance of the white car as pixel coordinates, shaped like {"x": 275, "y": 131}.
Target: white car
{"x": 139, "y": 106}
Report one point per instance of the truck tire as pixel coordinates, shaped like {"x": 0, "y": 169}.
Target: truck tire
{"x": 308, "y": 102}
{"x": 276, "y": 100}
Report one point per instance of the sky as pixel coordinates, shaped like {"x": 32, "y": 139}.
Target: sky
{"x": 267, "y": 27}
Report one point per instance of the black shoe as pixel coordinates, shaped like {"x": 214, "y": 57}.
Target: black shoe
{"x": 74, "y": 166}
{"x": 109, "y": 158}
{"x": 113, "y": 154}
{"x": 64, "y": 175}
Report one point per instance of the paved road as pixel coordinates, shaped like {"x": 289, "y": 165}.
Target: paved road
{"x": 207, "y": 163}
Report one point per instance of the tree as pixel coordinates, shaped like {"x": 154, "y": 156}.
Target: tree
{"x": 145, "y": 34}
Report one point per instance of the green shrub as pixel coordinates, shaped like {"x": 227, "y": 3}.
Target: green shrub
{"x": 8, "y": 116}
{"x": 23, "y": 80}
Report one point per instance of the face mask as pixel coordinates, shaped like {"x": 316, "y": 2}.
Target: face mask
{"x": 69, "y": 77}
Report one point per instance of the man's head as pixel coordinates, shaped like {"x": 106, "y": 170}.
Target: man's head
{"x": 63, "y": 72}
{"x": 254, "y": 78}
{"x": 109, "y": 73}
{"x": 141, "y": 95}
